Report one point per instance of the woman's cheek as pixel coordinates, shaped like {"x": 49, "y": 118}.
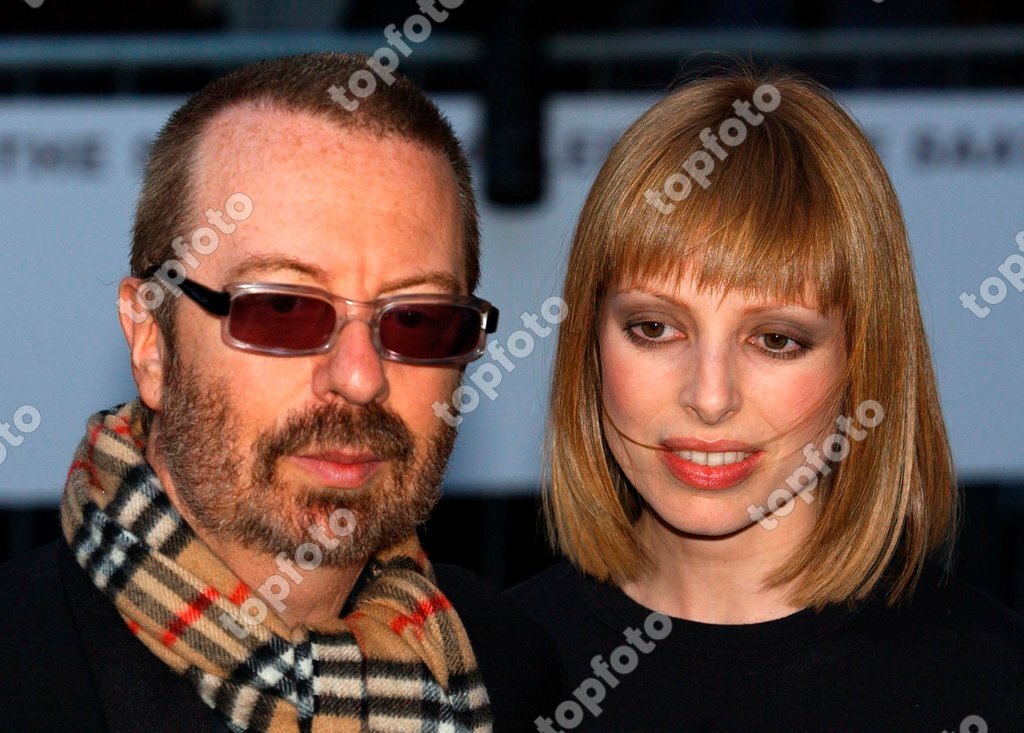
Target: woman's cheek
{"x": 625, "y": 394}
{"x": 789, "y": 394}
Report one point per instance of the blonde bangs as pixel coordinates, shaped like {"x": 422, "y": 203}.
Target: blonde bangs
{"x": 777, "y": 237}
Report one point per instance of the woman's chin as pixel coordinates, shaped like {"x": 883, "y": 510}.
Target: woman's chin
{"x": 699, "y": 521}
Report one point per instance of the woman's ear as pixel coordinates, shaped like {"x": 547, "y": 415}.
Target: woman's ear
{"x": 145, "y": 342}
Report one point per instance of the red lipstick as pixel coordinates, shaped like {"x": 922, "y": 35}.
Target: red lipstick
{"x": 706, "y": 476}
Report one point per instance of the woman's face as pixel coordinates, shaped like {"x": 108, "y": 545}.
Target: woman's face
{"x": 701, "y": 379}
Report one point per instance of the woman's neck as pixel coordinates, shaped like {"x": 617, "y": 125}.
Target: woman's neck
{"x": 718, "y": 580}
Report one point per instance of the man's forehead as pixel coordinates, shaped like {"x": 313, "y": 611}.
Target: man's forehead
{"x": 250, "y": 266}
{"x": 329, "y": 200}
{"x": 248, "y": 128}
{"x": 247, "y": 141}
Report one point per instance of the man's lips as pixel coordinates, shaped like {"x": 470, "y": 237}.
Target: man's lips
{"x": 716, "y": 464}
{"x": 340, "y": 469}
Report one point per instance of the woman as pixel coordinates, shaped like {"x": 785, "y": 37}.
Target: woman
{"x": 750, "y": 477}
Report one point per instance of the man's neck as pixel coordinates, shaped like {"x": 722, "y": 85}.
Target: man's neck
{"x": 299, "y": 597}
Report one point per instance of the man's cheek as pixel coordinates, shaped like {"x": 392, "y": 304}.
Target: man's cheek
{"x": 413, "y": 401}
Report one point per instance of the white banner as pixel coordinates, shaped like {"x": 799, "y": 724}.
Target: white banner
{"x": 69, "y": 175}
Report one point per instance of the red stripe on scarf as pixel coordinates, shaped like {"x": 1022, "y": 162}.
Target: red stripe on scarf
{"x": 239, "y": 594}
{"x": 189, "y": 615}
{"x": 133, "y": 627}
{"x": 126, "y": 429}
{"x": 424, "y": 610}
{"x": 89, "y": 464}
{"x": 94, "y": 478}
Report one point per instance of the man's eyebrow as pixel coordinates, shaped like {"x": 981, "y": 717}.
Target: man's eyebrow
{"x": 444, "y": 280}
{"x": 264, "y": 263}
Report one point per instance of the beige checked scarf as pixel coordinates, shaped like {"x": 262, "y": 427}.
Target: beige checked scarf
{"x": 400, "y": 661}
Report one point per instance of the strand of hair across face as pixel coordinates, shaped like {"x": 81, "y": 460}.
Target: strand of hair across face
{"x": 628, "y": 439}
{"x": 625, "y": 437}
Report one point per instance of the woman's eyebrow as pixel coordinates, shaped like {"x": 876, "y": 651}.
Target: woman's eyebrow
{"x": 796, "y": 308}
{"x": 651, "y": 293}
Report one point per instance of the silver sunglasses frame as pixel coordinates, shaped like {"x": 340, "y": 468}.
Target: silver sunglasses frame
{"x": 488, "y": 318}
{"x": 218, "y": 303}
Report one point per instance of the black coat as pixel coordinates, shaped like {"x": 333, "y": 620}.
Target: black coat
{"x": 69, "y": 663}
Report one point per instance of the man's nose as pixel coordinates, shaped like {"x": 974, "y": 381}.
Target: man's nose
{"x": 353, "y": 369}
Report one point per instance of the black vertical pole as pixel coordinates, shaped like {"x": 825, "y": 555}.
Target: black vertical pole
{"x": 512, "y": 93}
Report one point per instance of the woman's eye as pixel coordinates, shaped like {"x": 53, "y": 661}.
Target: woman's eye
{"x": 647, "y": 332}
{"x": 781, "y": 346}
{"x": 652, "y": 329}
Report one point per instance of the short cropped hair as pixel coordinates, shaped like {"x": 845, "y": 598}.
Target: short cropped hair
{"x": 167, "y": 207}
{"x": 802, "y": 202}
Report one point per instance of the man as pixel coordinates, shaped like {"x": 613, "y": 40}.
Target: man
{"x": 240, "y": 549}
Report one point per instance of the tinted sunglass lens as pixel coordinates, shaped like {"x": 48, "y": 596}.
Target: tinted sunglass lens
{"x": 430, "y": 331}
{"x": 281, "y": 321}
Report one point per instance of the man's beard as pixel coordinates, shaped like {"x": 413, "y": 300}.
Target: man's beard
{"x": 198, "y": 441}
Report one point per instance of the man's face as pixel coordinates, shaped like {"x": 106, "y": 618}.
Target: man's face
{"x": 258, "y": 447}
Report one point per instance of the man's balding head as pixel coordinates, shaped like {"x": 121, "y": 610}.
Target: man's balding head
{"x": 168, "y": 205}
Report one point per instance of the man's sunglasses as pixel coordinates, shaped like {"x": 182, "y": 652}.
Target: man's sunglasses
{"x": 297, "y": 320}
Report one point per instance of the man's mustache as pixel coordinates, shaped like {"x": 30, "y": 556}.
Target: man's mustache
{"x": 372, "y": 428}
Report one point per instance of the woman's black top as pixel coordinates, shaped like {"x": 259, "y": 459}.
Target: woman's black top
{"x": 952, "y": 659}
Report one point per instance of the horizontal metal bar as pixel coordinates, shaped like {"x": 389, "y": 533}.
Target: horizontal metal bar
{"x": 210, "y": 49}
{"x": 217, "y": 50}
{"x": 849, "y": 43}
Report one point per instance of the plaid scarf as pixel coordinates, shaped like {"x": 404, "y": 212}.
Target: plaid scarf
{"x": 400, "y": 661}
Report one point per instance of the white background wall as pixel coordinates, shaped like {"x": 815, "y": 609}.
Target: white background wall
{"x": 69, "y": 173}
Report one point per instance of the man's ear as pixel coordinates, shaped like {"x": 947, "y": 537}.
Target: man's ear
{"x": 145, "y": 342}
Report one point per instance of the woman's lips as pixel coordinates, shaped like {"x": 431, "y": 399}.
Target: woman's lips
{"x": 340, "y": 470}
{"x": 711, "y": 477}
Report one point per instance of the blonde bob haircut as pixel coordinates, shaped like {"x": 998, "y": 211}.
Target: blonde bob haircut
{"x": 801, "y": 205}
